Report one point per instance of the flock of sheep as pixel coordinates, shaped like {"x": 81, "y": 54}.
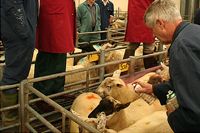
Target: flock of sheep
{"x": 137, "y": 116}
{"x": 130, "y": 112}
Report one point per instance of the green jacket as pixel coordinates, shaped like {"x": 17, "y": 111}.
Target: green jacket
{"x": 84, "y": 22}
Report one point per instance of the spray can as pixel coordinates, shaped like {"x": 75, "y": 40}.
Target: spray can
{"x": 146, "y": 97}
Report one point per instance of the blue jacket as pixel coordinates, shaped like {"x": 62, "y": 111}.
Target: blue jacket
{"x": 106, "y": 11}
{"x": 184, "y": 69}
{"x": 20, "y": 15}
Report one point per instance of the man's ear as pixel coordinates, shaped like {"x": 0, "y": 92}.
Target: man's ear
{"x": 160, "y": 23}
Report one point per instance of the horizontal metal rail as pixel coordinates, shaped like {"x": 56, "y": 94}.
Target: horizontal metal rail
{"x": 42, "y": 119}
{"x": 60, "y": 109}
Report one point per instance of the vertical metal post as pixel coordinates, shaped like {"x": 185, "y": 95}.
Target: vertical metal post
{"x": 77, "y": 40}
{"x": 132, "y": 65}
{"x": 109, "y": 34}
{"x": 102, "y": 61}
{"x": 23, "y": 101}
{"x": 63, "y": 122}
{"x": 160, "y": 48}
{"x": 26, "y": 99}
{"x": 87, "y": 79}
{"x": 1, "y": 70}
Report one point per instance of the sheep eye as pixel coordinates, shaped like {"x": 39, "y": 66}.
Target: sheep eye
{"x": 109, "y": 88}
{"x": 118, "y": 85}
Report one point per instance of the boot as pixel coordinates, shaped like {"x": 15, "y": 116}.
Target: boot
{"x": 130, "y": 50}
{"x": 9, "y": 117}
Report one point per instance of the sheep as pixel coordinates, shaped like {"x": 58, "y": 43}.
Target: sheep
{"x": 116, "y": 88}
{"x": 118, "y": 24}
{"x": 137, "y": 110}
{"x": 83, "y": 105}
{"x": 155, "y": 122}
{"x": 134, "y": 112}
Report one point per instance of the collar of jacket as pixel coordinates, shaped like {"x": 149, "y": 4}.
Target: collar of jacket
{"x": 86, "y": 4}
{"x": 179, "y": 28}
{"x": 105, "y": 2}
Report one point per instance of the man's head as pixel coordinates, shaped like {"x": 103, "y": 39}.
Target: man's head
{"x": 163, "y": 17}
{"x": 91, "y": 2}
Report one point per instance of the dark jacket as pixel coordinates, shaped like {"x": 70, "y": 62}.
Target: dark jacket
{"x": 106, "y": 11}
{"x": 18, "y": 26}
{"x": 19, "y": 16}
{"x": 184, "y": 69}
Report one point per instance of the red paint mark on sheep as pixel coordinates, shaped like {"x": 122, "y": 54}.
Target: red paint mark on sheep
{"x": 91, "y": 97}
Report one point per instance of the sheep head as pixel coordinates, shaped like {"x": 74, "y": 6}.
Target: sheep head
{"x": 108, "y": 105}
{"x": 109, "y": 85}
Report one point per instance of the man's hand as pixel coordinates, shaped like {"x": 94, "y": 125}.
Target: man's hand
{"x": 142, "y": 87}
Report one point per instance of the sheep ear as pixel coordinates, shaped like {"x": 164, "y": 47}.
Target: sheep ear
{"x": 116, "y": 73}
{"x": 119, "y": 107}
{"x": 163, "y": 65}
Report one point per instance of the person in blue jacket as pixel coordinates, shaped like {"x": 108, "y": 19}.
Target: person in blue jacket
{"x": 107, "y": 14}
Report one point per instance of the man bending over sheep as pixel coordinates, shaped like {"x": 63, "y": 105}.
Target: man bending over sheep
{"x": 184, "y": 66}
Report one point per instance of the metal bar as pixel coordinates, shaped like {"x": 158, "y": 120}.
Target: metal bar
{"x": 102, "y": 69}
{"x": 22, "y": 106}
{"x": 122, "y": 33}
{"x": 5, "y": 87}
{"x": 83, "y": 54}
{"x": 87, "y": 79}
{"x": 149, "y": 55}
{"x": 96, "y": 32}
{"x": 98, "y": 41}
{"x": 9, "y": 127}
{"x": 63, "y": 110}
{"x": 93, "y": 67}
{"x": 63, "y": 123}
{"x": 120, "y": 42}
{"x": 26, "y": 103}
{"x": 31, "y": 128}
{"x": 9, "y": 108}
{"x": 132, "y": 66}
{"x": 43, "y": 120}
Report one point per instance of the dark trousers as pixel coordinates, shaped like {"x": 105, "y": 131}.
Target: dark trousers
{"x": 47, "y": 64}
{"x": 18, "y": 58}
{"x": 147, "y": 49}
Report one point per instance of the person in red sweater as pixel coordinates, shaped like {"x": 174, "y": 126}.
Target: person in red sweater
{"x": 55, "y": 37}
{"x": 137, "y": 31}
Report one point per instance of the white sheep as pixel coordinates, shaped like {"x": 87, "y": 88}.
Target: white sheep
{"x": 155, "y": 122}
{"x": 137, "y": 109}
{"x": 84, "y": 104}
